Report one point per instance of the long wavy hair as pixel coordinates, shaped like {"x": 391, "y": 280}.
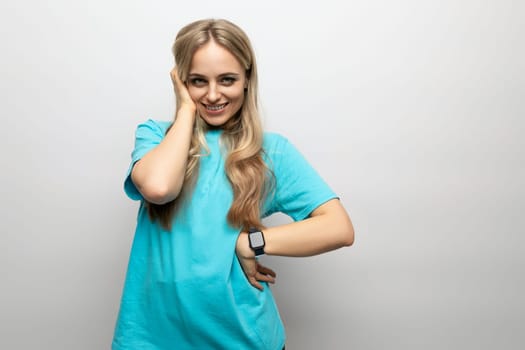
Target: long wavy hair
{"x": 242, "y": 137}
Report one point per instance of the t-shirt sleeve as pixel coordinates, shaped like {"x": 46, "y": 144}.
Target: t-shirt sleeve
{"x": 299, "y": 189}
{"x": 147, "y": 136}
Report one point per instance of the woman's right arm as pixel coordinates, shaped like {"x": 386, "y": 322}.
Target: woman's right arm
{"x": 159, "y": 175}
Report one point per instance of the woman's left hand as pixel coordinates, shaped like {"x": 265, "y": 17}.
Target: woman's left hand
{"x": 254, "y": 271}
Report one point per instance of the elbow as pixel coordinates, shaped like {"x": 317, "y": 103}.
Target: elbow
{"x": 155, "y": 190}
{"x": 339, "y": 222}
{"x": 157, "y": 194}
{"x": 349, "y": 238}
{"x": 347, "y": 234}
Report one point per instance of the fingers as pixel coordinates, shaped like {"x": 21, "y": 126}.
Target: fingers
{"x": 256, "y": 273}
{"x": 182, "y": 94}
{"x": 259, "y": 277}
{"x": 264, "y": 274}
{"x": 265, "y": 270}
{"x": 175, "y": 76}
{"x": 173, "y": 73}
{"x": 255, "y": 283}
{"x": 264, "y": 278}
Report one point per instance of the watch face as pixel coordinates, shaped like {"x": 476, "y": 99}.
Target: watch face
{"x": 256, "y": 239}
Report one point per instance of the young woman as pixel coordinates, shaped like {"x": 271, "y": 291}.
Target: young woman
{"x": 205, "y": 180}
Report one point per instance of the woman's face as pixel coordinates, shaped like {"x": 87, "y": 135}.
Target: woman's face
{"x": 216, "y": 83}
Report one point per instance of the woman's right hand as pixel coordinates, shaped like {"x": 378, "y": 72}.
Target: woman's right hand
{"x": 181, "y": 92}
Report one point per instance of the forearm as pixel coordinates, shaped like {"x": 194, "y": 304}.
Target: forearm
{"x": 328, "y": 228}
{"x": 159, "y": 175}
{"x": 315, "y": 235}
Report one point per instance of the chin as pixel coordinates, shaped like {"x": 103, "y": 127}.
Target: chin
{"x": 215, "y": 122}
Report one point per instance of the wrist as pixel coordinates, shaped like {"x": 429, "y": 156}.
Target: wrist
{"x": 186, "y": 108}
{"x": 186, "y": 113}
{"x": 243, "y": 249}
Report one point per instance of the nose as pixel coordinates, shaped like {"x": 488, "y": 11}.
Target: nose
{"x": 213, "y": 94}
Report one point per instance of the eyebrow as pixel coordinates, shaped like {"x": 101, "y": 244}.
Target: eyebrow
{"x": 197, "y": 75}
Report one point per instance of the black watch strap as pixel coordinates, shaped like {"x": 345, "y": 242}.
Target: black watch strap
{"x": 259, "y": 251}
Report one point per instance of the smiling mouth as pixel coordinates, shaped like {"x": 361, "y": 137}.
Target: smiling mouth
{"x": 215, "y": 108}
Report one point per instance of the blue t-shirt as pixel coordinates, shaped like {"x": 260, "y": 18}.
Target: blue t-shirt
{"x": 185, "y": 289}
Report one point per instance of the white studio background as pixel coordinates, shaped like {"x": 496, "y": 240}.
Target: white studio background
{"x": 412, "y": 110}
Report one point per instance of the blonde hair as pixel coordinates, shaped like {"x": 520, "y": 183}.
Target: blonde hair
{"x": 242, "y": 135}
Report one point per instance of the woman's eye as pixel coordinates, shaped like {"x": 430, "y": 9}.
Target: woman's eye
{"x": 228, "y": 80}
{"x": 197, "y": 81}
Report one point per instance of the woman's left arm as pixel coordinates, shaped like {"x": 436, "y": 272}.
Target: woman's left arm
{"x": 327, "y": 228}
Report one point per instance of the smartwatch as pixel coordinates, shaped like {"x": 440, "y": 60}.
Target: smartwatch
{"x": 256, "y": 240}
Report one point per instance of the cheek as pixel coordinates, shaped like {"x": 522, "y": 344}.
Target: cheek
{"x": 238, "y": 95}
{"x": 238, "y": 101}
{"x": 195, "y": 93}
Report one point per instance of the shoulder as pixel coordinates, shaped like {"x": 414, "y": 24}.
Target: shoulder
{"x": 154, "y": 125}
{"x": 279, "y": 150}
{"x": 274, "y": 143}
{"x": 151, "y": 130}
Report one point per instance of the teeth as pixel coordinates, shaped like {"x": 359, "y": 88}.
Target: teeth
{"x": 216, "y": 107}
